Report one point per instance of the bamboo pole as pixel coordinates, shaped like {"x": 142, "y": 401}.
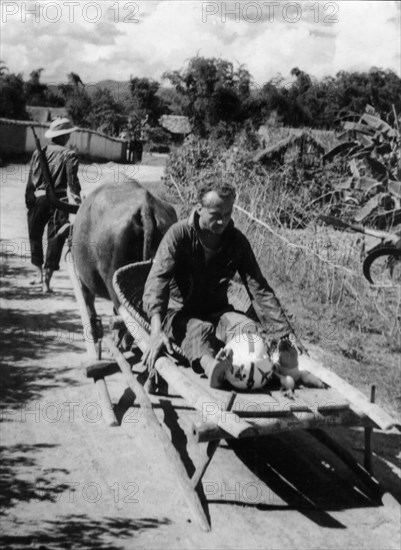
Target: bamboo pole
{"x": 189, "y": 492}
{"x": 203, "y": 432}
{"x": 359, "y": 403}
{"x": 368, "y": 438}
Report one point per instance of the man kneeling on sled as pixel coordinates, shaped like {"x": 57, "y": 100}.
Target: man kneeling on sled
{"x": 186, "y": 293}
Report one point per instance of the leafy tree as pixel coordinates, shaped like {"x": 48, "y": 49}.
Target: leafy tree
{"x": 39, "y": 94}
{"x": 107, "y": 115}
{"x": 35, "y": 90}
{"x": 214, "y": 92}
{"x": 75, "y": 80}
{"x": 378, "y": 88}
{"x": 285, "y": 102}
{"x": 304, "y": 81}
{"x": 79, "y": 107}
{"x": 12, "y": 97}
{"x": 173, "y": 102}
{"x": 145, "y": 100}
{"x": 319, "y": 104}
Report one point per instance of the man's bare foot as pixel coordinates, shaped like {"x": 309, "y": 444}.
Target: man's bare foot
{"x": 38, "y": 279}
{"x": 216, "y": 370}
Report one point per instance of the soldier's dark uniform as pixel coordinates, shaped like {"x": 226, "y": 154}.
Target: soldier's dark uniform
{"x": 63, "y": 165}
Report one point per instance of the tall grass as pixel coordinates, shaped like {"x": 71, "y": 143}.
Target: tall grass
{"x": 316, "y": 273}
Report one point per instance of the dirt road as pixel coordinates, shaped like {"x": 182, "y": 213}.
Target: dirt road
{"x": 69, "y": 481}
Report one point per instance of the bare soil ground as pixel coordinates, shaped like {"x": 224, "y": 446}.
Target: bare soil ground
{"x": 69, "y": 481}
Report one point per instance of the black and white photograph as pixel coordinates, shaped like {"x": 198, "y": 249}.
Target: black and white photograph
{"x": 200, "y": 278}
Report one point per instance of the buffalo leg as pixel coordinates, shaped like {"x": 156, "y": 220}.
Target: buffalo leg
{"x": 95, "y": 332}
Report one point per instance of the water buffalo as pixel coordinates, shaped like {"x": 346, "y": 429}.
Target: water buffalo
{"x": 117, "y": 224}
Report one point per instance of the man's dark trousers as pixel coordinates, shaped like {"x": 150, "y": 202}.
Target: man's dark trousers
{"x": 40, "y": 214}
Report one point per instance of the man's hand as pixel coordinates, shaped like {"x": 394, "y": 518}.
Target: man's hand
{"x": 158, "y": 342}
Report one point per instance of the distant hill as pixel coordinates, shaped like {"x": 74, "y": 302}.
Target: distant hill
{"x": 117, "y": 88}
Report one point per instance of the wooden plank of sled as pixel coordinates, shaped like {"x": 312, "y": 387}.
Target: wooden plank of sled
{"x": 142, "y": 397}
{"x": 104, "y": 397}
{"x": 317, "y": 399}
{"x": 314, "y": 400}
{"x": 203, "y": 401}
{"x": 246, "y": 403}
{"x": 359, "y": 403}
{"x": 195, "y": 396}
{"x": 278, "y": 404}
{"x": 273, "y": 404}
{"x": 205, "y": 431}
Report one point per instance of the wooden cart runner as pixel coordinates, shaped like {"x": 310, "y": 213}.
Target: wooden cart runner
{"x": 222, "y": 413}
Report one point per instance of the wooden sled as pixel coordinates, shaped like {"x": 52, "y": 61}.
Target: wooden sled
{"x": 223, "y": 413}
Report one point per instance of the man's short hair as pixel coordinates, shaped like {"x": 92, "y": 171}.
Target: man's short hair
{"x": 223, "y": 189}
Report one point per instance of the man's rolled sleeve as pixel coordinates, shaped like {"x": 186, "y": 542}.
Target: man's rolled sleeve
{"x": 157, "y": 288}
{"x": 267, "y": 305}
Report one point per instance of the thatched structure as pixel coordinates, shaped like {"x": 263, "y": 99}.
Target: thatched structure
{"x": 176, "y": 124}
{"x": 299, "y": 147}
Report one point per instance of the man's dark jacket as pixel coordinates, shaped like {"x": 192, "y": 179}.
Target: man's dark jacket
{"x": 181, "y": 278}
{"x": 63, "y": 165}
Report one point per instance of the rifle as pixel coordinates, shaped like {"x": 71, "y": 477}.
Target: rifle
{"x": 51, "y": 195}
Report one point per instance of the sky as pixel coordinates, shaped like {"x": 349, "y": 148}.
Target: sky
{"x": 116, "y": 40}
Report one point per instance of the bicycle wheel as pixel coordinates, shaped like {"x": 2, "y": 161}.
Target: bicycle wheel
{"x": 383, "y": 266}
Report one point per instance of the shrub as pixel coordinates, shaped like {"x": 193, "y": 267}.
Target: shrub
{"x": 158, "y": 140}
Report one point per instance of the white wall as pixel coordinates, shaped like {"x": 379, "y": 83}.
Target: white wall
{"x": 16, "y": 137}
